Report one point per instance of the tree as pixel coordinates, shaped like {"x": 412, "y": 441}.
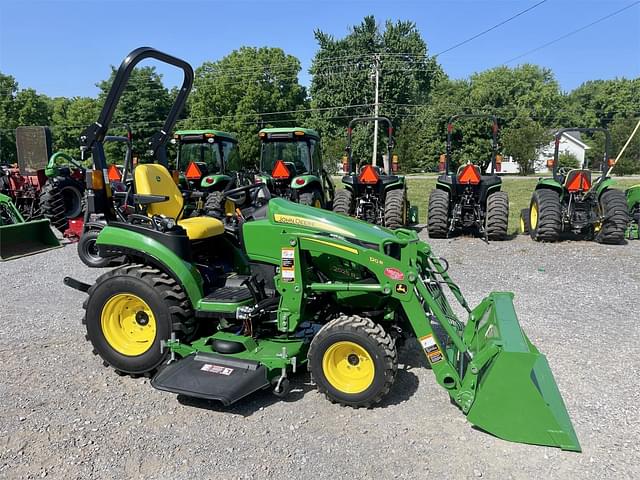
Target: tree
{"x": 233, "y": 94}
{"x": 8, "y": 118}
{"x": 568, "y": 160}
{"x": 621, "y": 129}
{"x": 69, "y": 119}
{"x": 342, "y": 78}
{"x": 522, "y": 140}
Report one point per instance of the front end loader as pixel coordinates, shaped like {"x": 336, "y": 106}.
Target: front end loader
{"x": 467, "y": 200}
{"x": 303, "y": 288}
{"x": 19, "y": 238}
{"x": 570, "y": 202}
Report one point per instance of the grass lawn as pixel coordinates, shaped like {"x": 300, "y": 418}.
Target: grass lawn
{"x": 519, "y": 190}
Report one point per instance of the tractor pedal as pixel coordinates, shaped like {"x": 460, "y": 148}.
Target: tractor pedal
{"x": 212, "y": 377}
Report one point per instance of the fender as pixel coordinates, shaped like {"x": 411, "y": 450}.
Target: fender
{"x": 550, "y": 183}
{"x": 185, "y": 273}
{"x": 443, "y": 186}
{"x": 307, "y": 181}
{"x": 214, "y": 180}
{"x": 605, "y": 184}
{"x": 633, "y": 196}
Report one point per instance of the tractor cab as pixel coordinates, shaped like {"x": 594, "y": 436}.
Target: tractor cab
{"x": 206, "y": 159}
{"x": 291, "y": 166}
{"x": 465, "y": 199}
{"x": 370, "y": 193}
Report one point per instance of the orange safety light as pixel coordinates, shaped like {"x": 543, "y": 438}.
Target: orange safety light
{"x": 368, "y": 175}
{"x": 193, "y": 172}
{"x": 345, "y": 164}
{"x": 470, "y": 175}
{"x": 578, "y": 182}
{"x": 611, "y": 162}
{"x": 395, "y": 163}
{"x": 113, "y": 174}
{"x": 97, "y": 180}
{"x": 280, "y": 171}
{"x": 442, "y": 163}
{"x": 550, "y": 163}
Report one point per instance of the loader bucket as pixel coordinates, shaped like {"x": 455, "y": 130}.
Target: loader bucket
{"x": 517, "y": 398}
{"x": 26, "y": 238}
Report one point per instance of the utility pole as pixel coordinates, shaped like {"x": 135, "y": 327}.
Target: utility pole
{"x": 376, "y": 66}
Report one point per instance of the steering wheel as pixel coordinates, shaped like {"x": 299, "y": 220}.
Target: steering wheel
{"x": 563, "y": 170}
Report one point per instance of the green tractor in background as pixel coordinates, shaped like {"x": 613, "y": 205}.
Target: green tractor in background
{"x": 303, "y": 288}
{"x": 570, "y": 202}
{"x": 208, "y": 161}
{"x": 469, "y": 200}
{"x": 369, "y": 193}
{"x": 633, "y": 202}
{"x": 292, "y": 168}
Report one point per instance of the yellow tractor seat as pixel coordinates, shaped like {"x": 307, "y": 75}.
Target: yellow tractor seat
{"x": 152, "y": 179}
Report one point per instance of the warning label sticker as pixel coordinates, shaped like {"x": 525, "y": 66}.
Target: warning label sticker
{"x": 288, "y": 264}
{"x": 218, "y": 369}
{"x": 435, "y": 356}
{"x": 431, "y": 348}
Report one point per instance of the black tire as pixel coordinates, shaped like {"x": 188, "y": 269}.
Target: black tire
{"x": 73, "y": 195}
{"x": 438, "y": 221}
{"x": 88, "y": 252}
{"x": 395, "y": 209}
{"x": 343, "y": 202}
{"x": 525, "y": 222}
{"x": 368, "y": 336}
{"x": 52, "y": 206}
{"x": 497, "y": 216}
{"x": 167, "y": 302}
{"x": 613, "y": 207}
{"x": 546, "y": 224}
{"x": 312, "y": 198}
{"x": 214, "y": 205}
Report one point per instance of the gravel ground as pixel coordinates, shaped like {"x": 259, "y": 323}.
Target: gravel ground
{"x": 63, "y": 415}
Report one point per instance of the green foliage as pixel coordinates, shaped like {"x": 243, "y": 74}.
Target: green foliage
{"x": 8, "y": 118}
{"x": 568, "y": 160}
{"x": 621, "y": 129}
{"x": 342, "y": 76}
{"x": 522, "y": 140}
{"x": 70, "y": 117}
{"x": 230, "y": 93}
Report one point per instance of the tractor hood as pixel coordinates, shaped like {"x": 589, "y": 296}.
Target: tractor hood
{"x": 316, "y": 220}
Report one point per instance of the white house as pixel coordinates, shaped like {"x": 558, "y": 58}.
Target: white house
{"x": 569, "y": 143}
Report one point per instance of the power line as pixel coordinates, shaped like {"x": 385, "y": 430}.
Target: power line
{"x": 459, "y": 44}
{"x": 562, "y": 37}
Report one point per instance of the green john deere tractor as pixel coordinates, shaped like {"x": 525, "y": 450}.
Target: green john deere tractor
{"x": 469, "y": 200}
{"x": 371, "y": 194}
{"x": 291, "y": 166}
{"x": 571, "y": 202}
{"x": 633, "y": 202}
{"x": 300, "y": 289}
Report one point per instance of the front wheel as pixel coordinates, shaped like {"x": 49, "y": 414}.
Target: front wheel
{"x": 130, "y": 311}
{"x": 353, "y": 361}
{"x": 525, "y": 222}
{"x": 88, "y": 250}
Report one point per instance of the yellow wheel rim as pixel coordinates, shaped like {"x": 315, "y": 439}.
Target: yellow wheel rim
{"x": 128, "y": 324}
{"x": 348, "y": 367}
{"x": 317, "y": 203}
{"x": 534, "y": 215}
{"x": 522, "y": 225}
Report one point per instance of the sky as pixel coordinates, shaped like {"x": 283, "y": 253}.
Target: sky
{"x": 63, "y": 48}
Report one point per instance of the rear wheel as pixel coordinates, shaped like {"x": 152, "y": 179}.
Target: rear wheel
{"x": 545, "y": 216}
{"x": 613, "y": 207}
{"x": 130, "y": 312}
{"x": 214, "y": 205}
{"x": 497, "y": 219}
{"x": 52, "y": 206}
{"x": 395, "y": 209}
{"x": 525, "y": 222}
{"x": 353, "y": 361}
{"x": 438, "y": 221}
{"x": 343, "y": 202}
{"x": 88, "y": 250}
{"x": 313, "y": 199}
{"x": 73, "y": 195}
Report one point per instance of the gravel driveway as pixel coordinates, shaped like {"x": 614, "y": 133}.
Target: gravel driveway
{"x": 63, "y": 415}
